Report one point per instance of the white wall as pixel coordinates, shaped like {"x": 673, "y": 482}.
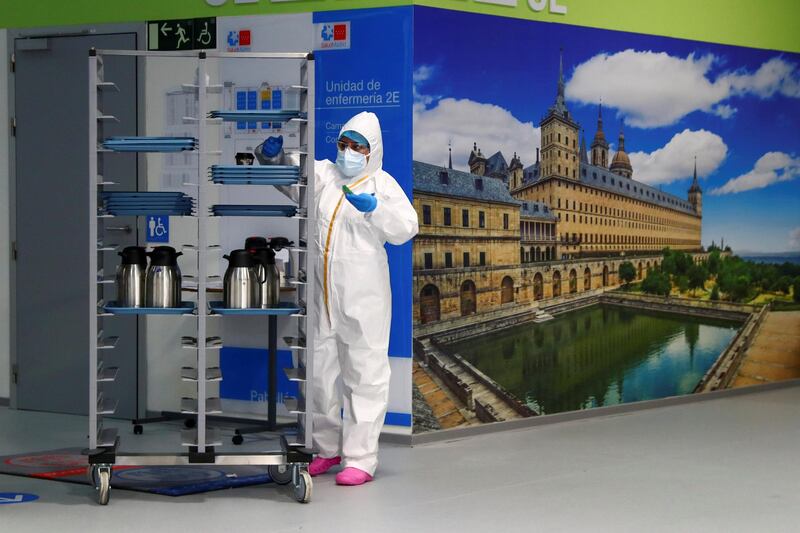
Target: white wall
{"x": 5, "y": 362}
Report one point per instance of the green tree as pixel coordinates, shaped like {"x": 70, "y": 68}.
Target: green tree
{"x": 656, "y": 283}
{"x": 627, "y": 272}
{"x": 796, "y": 289}
{"x": 683, "y": 283}
{"x": 683, "y": 262}
{"x": 714, "y": 262}
{"x": 668, "y": 265}
{"x": 740, "y": 288}
{"x": 714, "y": 293}
{"x": 697, "y": 277}
{"x": 782, "y": 284}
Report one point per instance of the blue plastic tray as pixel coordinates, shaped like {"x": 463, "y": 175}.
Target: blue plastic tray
{"x": 149, "y": 211}
{"x": 224, "y": 210}
{"x": 254, "y": 181}
{"x": 185, "y": 309}
{"x": 256, "y": 116}
{"x": 256, "y": 169}
{"x": 150, "y": 139}
{"x": 285, "y": 308}
{"x": 153, "y": 148}
{"x": 122, "y": 202}
{"x": 144, "y": 194}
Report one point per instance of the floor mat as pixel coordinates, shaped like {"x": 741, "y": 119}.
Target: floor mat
{"x": 68, "y": 464}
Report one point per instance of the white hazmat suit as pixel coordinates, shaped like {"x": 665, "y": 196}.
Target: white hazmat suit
{"x": 351, "y": 363}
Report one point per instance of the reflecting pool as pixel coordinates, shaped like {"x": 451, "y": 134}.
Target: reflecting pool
{"x": 602, "y": 355}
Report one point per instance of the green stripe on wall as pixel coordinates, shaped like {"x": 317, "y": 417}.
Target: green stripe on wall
{"x": 769, "y": 24}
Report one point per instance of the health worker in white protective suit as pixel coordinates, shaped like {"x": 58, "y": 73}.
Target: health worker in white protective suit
{"x": 359, "y": 208}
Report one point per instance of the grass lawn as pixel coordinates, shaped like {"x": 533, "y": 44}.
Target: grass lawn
{"x": 766, "y": 297}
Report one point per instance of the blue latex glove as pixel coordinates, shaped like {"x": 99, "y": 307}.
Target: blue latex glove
{"x": 366, "y": 203}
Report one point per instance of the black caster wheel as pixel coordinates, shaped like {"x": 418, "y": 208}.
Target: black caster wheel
{"x": 237, "y": 440}
{"x": 189, "y": 423}
{"x": 280, "y": 474}
{"x": 138, "y": 429}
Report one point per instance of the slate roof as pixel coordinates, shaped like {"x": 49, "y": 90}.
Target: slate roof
{"x": 496, "y": 163}
{"x": 428, "y": 179}
{"x": 594, "y": 176}
{"x": 536, "y": 210}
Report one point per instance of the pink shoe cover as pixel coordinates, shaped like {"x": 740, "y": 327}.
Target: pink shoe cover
{"x": 352, "y": 476}
{"x": 320, "y": 465}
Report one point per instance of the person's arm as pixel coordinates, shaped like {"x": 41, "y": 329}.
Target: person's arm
{"x": 394, "y": 215}
{"x": 321, "y": 177}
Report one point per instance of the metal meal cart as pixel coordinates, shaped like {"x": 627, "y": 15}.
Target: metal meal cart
{"x": 289, "y": 461}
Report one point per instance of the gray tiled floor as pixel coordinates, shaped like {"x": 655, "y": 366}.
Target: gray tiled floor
{"x": 724, "y": 465}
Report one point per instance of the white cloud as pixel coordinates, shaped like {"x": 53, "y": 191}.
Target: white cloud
{"x": 423, "y": 73}
{"x": 772, "y": 167}
{"x": 462, "y": 122}
{"x": 675, "y": 160}
{"x": 652, "y": 89}
{"x": 794, "y": 239}
{"x": 774, "y": 76}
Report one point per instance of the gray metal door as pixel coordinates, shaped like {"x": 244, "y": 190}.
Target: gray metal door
{"x": 51, "y": 98}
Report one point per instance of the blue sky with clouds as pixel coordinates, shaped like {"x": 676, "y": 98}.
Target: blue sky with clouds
{"x": 491, "y": 79}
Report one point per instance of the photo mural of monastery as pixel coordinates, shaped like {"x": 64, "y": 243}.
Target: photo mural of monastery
{"x": 521, "y": 268}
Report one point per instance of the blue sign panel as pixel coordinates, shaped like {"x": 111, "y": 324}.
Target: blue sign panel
{"x": 373, "y": 74}
{"x": 16, "y": 497}
{"x": 157, "y": 229}
{"x": 245, "y": 371}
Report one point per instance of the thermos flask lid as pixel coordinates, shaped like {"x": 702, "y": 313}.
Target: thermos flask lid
{"x": 134, "y": 255}
{"x": 255, "y": 243}
{"x": 264, "y": 256}
{"x": 164, "y": 256}
{"x": 240, "y": 259}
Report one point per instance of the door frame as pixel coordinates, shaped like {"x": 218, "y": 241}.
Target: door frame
{"x": 140, "y": 32}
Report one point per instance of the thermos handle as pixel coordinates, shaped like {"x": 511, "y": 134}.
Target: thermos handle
{"x": 261, "y": 281}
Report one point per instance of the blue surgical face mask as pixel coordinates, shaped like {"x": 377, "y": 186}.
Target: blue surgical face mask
{"x": 350, "y": 162}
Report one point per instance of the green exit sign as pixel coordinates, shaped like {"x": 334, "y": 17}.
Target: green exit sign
{"x": 187, "y": 34}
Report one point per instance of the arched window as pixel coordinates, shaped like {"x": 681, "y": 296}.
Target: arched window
{"x": 538, "y": 287}
{"x": 573, "y": 281}
{"x": 429, "y": 304}
{"x": 507, "y": 290}
{"x": 556, "y": 284}
{"x": 468, "y": 298}
{"x": 587, "y": 279}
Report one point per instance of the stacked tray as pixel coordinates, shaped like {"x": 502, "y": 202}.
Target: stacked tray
{"x": 150, "y": 144}
{"x": 255, "y": 115}
{"x": 255, "y": 175}
{"x": 122, "y": 203}
{"x": 233, "y": 210}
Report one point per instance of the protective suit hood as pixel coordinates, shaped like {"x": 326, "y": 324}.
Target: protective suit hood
{"x": 368, "y": 125}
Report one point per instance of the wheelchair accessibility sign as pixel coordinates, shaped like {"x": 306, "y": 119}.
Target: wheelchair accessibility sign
{"x": 157, "y": 228}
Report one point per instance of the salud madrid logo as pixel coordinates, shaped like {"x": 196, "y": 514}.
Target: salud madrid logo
{"x": 332, "y": 35}
{"x": 239, "y": 41}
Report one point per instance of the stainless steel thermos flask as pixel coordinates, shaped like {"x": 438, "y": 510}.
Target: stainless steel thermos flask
{"x": 163, "y": 285}
{"x": 131, "y": 277}
{"x": 241, "y": 287}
